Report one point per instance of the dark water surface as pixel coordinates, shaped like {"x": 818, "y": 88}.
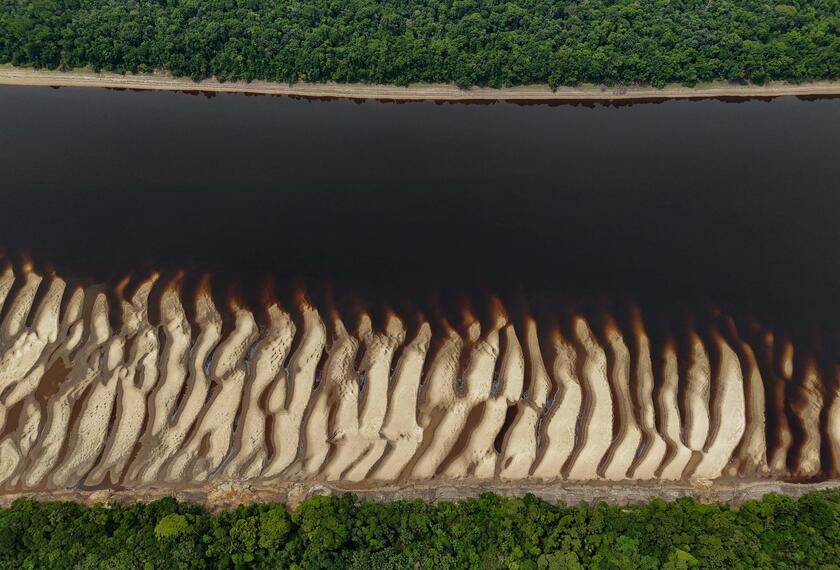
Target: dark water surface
{"x": 678, "y": 201}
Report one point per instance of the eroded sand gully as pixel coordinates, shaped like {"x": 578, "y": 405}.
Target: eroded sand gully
{"x": 296, "y": 393}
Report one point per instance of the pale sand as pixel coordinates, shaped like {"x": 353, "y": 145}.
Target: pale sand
{"x": 519, "y": 447}
{"x": 19, "y": 348}
{"x": 173, "y": 374}
{"x": 137, "y": 377}
{"x": 807, "y": 405}
{"x": 478, "y": 382}
{"x": 230, "y": 410}
{"x": 22, "y": 356}
{"x": 438, "y": 397}
{"x": 379, "y": 351}
{"x": 176, "y": 346}
{"x": 20, "y": 306}
{"x": 479, "y": 457}
{"x": 668, "y": 413}
{"x": 342, "y": 396}
{"x": 7, "y": 279}
{"x": 597, "y": 418}
{"x": 439, "y": 92}
{"x": 400, "y": 428}
{"x": 558, "y": 439}
{"x": 333, "y": 413}
{"x": 752, "y": 452}
{"x": 653, "y": 447}
{"x": 155, "y": 459}
{"x": 784, "y": 372}
{"x": 250, "y": 452}
{"x": 48, "y": 338}
{"x": 89, "y": 433}
{"x": 87, "y": 436}
{"x": 56, "y": 356}
{"x": 210, "y": 441}
{"x": 728, "y": 416}
{"x": 833, "y": 430}
{"x": 696, "y": 397}
{"x": 287, "y": 410}
{"x": 622, "y": 452}
{"x": 46, "y": 453}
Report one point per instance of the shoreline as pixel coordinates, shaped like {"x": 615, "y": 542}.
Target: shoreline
{"x": 227, "y": 494}
{"x": 418, "y": 92}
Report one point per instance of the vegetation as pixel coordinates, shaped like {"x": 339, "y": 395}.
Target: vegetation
{"x": 469, "y": 42}
{"x": 486, "y": 532}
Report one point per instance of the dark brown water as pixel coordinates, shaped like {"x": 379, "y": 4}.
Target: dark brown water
{"x": 678, "y": 202}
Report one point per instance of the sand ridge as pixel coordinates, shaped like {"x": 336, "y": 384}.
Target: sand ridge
{"x": 86, "y": 405}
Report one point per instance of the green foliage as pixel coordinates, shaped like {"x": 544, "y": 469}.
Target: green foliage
{"x": 468, "y": 42}
{"x": 487, "y": 532}
{"x": 172, "y": 526}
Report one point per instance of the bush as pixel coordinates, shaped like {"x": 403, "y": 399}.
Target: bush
{"x": 172, "y": 526}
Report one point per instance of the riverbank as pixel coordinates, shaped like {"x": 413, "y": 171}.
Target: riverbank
{"x": 227, "y": 494}
{"x": 417, "y": 92}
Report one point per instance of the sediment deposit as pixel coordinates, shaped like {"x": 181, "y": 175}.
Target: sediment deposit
{"x": 102, "y": 388}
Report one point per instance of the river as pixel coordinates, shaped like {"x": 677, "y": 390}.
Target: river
{"x": 676, "y": 202}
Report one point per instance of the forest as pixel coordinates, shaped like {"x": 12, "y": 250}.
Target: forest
{"x": 486, "y": 532}
{"x": 494, "y": 43}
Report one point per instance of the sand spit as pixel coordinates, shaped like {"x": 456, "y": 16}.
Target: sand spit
{"x": 417, "y": 92}
{"x": 595, "y": 437}
{"x": 165, "y": 405}
{"x": 652, "y": 448}
{"x": 627, "y": 436}
{"x": 558, "y": 440}
{"x": 519, "y": 448}
{"x": 833, "y": 430}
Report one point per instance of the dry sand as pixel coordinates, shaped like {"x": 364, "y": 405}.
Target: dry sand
{"x": 728, "y": 415}
{"x": 597, "y": 413}
{"x": 696, "y": 397}
{"x": 438, "y": 92}
{"x": 210, "y": 441}
{"x": 249, "y": 449}
{"x": 379, "y": 351}
{"x": 478, "y": 435}
{"x": 783, "y": 376}
{"x": 668, "y": 412}
{"x": 834, "y": 425}
{"x": 435, "y": 405}
{"x": 752, "y": 451}
{"x": 155, "y": 459}
{"x": 287, "y": 402}
{"x": 807, "y": 405}
{"x": 653, "y": 448}
{"x": 150, "y": 406}
{"x": 519, "y": 448}
{"x": 628, "y": 436}
{"x": 558, "y": 441}
{"x": 400, "y": 429}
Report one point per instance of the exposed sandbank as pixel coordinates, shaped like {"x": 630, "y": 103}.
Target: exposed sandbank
{"x": 88, "y": 404}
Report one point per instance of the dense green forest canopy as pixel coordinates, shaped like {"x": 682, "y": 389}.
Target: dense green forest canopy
{"x": 469, "y": 42}
{"x": 483, "y": 533}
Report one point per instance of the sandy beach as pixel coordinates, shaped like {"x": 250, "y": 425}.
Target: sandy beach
{"x": 155, "y": 403}
{"x": 416, "y": 92}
